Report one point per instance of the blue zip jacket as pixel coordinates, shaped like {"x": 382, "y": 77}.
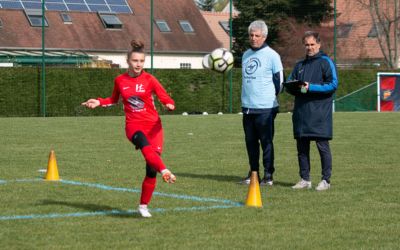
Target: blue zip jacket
{"x": 312, "y": 114}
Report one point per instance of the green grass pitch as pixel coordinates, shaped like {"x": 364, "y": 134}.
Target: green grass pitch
{"x": 94, "y": 206}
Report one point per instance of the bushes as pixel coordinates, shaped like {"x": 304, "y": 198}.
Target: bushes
{"x": 193, "y": 90}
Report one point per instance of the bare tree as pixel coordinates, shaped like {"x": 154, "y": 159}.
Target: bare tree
{"x": 385, "y": 18}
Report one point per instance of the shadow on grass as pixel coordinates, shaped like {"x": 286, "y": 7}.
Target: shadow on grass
{"x": 226, "y": 178}
{"x": 107, "y": 210}
{"x": 283, "y": 184}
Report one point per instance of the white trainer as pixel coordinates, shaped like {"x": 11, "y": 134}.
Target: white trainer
{"x": 323, "y": 185}
{"x": 302, "y": 184}
{"x": 144, "y": 211}
{"x": 266, "y": 182}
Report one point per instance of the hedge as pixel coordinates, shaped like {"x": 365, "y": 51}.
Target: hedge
{"x": 194, "y": 91}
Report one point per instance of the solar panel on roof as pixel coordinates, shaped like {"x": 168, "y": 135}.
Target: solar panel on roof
{"x": 95, "y": 1}
{"x": 74, "y": 1}
{"x": 11, "y": 5}
{"x": 120, "y": 9}
{"x": 56, "y": 6}
{"x": 99, "y": 8}
{"x": 32, "y": 5}
{"x": 117, "y": 6}
{"x": 78, "y": 7}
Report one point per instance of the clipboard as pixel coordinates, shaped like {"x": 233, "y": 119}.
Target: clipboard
{"x": 294, "y": 86}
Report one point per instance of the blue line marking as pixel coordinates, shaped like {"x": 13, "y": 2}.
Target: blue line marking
{"x": 111, "y": 212}
{"x": 55, "y": 215}
{"x": 230, "y": 204}
{"x": 177, "y": 196}
{"x": 100, "y": 186}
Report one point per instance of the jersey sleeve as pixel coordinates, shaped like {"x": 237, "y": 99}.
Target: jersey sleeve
{"x": 161, "y": 93}
{"x": 276, "y": 63}
{"x": 113, "y": 99}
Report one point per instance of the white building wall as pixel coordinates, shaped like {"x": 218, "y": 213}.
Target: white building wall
{"x": 170, "y": 61}
{"x": 6, "y": 64}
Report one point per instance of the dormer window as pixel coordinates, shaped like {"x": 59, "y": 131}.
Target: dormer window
{"x": 66, "y": 18}
{"x": 163, "y": 26}
{"x": 110, "y": 21}
{"x": 186, "y": 26}
{"x": 225, "y": 26}
{"x": 35, "y": 18}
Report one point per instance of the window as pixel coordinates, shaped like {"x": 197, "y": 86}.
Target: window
{"x": 163, "y": 26}
{"x": 110, "y": 21}
{"x": 186, "y": 26}
{"x": 1, "y": 24}
{"x": 343, "y": 30}
{"x": 66, "y": 18}
{"x": 225, "y": 26}
{"x": 374, "y": 30}
{"x": 185, "y": 65}
{"x": 35, "y": 18}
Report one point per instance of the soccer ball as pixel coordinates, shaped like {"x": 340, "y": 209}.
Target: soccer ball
{"x": 220, "y": 60}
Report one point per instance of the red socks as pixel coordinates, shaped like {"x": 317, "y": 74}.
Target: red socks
{"x": 148, "y": 186}
{"x": 152, "y": 158}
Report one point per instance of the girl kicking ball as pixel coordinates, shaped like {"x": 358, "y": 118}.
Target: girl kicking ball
{"x": 142, "y": 123}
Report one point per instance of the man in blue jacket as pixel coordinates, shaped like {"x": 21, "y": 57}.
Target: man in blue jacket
{"x": 262, "y": 77}
{"x": 312, "y": 114}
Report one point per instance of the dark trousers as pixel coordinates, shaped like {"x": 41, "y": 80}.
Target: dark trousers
{"x": 303, "y": 154}
{"x": 259, "y": 129}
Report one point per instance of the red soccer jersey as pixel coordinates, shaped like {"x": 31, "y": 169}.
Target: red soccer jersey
{"x": 137, "y": 97}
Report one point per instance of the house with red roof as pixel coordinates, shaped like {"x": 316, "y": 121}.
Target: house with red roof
{"x": 101, "y": 30}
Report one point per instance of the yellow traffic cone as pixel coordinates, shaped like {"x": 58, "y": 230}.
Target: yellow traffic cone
{"x": 52, "y": 170}
{"x": 254, "y": 194}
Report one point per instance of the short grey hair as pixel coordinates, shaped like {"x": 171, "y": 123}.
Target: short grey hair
{"x": 259, "y": 25}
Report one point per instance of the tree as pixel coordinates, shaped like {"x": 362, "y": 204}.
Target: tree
{"x": 277, "y": 14}
{"x": 385, "y": 18}
{"x": 311, "y": 11}
{"x": 206, "y": 5}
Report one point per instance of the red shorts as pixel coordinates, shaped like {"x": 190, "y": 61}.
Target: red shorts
{"x": 153, "y": 133}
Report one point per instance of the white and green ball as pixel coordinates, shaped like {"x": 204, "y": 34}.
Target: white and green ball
{"x": 220, "y": 60}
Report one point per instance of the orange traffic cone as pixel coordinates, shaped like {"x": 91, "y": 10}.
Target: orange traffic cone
{"x": 254, "y": 194}
{"x": 52, "y": 170}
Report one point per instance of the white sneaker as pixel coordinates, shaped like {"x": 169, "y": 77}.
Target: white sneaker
{"x": 266, "y": 182}
{"x": 323, "y": 185}
{"x": 144, "y": 211}
{"x": 302, "y": 184}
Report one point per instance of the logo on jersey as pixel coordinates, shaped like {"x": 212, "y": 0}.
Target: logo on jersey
{"x": 252, "y": 66}
{"x": 136, "y": 103}
{"x": 139, "y": 88}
